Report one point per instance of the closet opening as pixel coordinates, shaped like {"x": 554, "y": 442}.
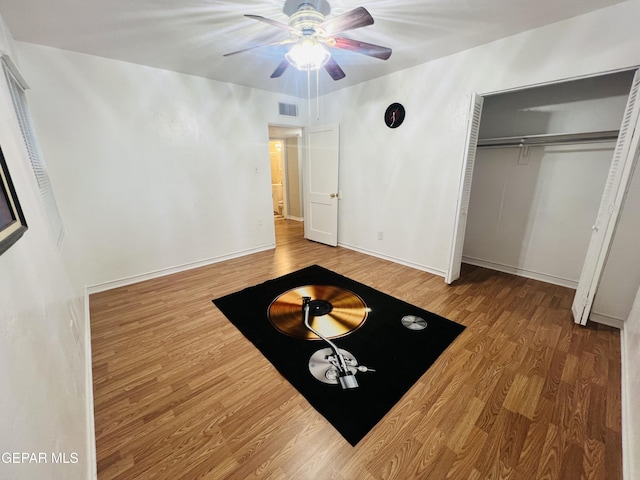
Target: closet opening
{"x": 542, "y": 161}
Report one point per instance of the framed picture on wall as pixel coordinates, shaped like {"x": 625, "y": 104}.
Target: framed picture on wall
{"x": 12, "y": 222}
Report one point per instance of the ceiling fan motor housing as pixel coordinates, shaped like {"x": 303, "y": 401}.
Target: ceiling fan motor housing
{"x": 292, "y": 6}
{"x": 306, "y": 19}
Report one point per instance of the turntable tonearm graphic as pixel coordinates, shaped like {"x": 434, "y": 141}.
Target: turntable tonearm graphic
{"x": 333, "y": 312}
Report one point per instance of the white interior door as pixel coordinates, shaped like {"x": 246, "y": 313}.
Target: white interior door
{"x": 464, "y": 191}
{"x": 321, "y": 184}
{"x": 620, "y": 174}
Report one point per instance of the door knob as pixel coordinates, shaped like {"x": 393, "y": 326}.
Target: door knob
{"x": 333, "y": 195}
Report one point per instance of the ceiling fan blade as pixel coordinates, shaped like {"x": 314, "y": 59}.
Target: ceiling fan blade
{"x": 280, "y": 69}
{"x": 272, "y": 44}
{"x": 334, "y": 69}
{"x": 284, "y": 26}
{"x": 363, "y": 48}
{"x": 356, "y": 18}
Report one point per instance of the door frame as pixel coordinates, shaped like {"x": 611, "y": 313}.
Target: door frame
{"x": 284, "y": 168}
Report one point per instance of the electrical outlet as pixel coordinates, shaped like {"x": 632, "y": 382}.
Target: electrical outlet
{"x": 380, "y": 235}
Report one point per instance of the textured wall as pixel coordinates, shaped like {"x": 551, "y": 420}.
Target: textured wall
{"x": 45, "y": 395}
{"x": 153, "y": 169}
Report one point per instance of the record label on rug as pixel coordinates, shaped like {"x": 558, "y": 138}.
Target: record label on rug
{"x": 413, "y": 322}
{"x": 334, "y": 312}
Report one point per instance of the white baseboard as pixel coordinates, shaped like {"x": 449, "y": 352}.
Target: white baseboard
{"x": 101, "y": 287}
{"x": 606, "y": 320}
{"x": 521, "y": 272}
{"x": 92, "y": 463}
{"x": 393, "y": 259}
{"x": 297, "y": 219}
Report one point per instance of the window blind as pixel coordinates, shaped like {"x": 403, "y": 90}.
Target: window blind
{"x": 35, "y": 154}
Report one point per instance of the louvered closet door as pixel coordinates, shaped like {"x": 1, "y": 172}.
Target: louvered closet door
{"x": 457, "y": 243}
{"x": 624, "y": 159}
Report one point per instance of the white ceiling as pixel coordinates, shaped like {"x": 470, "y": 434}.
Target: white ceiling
{"x": 190, "y": 36}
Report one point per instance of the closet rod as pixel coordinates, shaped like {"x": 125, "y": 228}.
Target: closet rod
{"x": 550, "y": 139}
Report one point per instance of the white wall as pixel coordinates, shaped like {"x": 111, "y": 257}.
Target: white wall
{"x": 533, "y": 215}
{"x": 153, "y": 170}
{"x": 404, "y": 181}
{"x": 117, "y": 139}
{"x": 585, "y": 105}
{"x": 42, "y": 376}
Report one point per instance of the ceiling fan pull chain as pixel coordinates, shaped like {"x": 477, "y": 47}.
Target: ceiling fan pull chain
{"x": 317, "y": 95}
{"x": 308, "y": 93}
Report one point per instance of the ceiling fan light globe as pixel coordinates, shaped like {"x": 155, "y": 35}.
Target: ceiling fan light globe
{"x": 308, "y": 54}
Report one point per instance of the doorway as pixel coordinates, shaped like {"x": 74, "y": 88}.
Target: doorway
{"x": 286, "y": 180}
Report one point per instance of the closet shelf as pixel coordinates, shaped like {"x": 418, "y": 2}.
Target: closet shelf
{"x": 550, "y": 139}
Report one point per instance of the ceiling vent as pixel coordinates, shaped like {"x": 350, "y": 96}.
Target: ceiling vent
{"x": 288, "y": 109}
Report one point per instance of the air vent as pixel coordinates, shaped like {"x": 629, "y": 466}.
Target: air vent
{"x": 288, "y": 109}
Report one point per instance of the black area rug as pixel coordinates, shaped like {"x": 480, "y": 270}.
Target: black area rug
{"x": 399, "y": 352}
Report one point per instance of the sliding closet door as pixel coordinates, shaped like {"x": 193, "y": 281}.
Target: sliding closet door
{"x": 464, "y": 192}
{"x": 620, "y": 173}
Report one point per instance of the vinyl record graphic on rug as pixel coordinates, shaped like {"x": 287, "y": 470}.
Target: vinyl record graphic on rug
{"x": 359, "y": 347}
{"x": 335, "y": 311}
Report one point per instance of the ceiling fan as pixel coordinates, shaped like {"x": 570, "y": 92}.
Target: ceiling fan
{"x": 310, "y": 34}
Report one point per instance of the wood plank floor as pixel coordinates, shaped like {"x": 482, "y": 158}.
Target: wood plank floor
{"x": 523, "y": 393}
